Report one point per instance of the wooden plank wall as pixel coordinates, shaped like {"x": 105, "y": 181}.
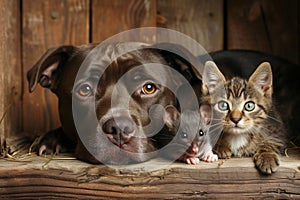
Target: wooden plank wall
{"x": 266, "y": 25}
{"x": 270, "y": 26}
{"x": 112, "y": 17}
{"x": 10, "y": 70}
{"x": 202, "y": 20}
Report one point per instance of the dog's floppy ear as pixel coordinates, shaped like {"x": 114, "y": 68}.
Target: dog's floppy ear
{"x": 180, "y": 59}
{"x": 44, "y": 70}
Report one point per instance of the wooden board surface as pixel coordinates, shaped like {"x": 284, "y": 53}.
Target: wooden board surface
{"x": 202, "y": 20}
{"x": 46, "y": 24}
{"x": 10, "y": 70}
{"x": 235, "y": 178}
{"x": 269, "y": 26}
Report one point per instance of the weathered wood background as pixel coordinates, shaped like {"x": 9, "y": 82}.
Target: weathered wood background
{"x": 30, "y": 27}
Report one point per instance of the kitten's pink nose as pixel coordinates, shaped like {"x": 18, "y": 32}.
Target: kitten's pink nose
{"x": 235, "y": 116}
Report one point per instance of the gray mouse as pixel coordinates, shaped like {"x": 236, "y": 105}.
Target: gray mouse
{"x": 189, "y": 129}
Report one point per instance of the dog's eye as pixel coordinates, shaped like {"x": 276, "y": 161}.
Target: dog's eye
{"x": 85, "y": 90}
{"x": 149, "y": 88}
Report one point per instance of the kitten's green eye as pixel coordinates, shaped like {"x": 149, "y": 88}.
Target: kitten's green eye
{"x": 223, "y": 105}
{"x": 249, "y": 106}
{"x": 201, "y": 133}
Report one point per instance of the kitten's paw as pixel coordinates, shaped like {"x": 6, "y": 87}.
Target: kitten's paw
{"x": 266, "y": 162}
{"x": 210, "y": 157}
{"x": 224, "y": 153}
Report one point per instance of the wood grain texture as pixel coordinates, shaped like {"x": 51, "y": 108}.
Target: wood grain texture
{"x": 48, "y": 23}
{"x": 200, "y": 19}
{"x": 236, "y": 178}
{"x": 269, "y": 26}
{"x": 10, "y": 70}
{"x": 112, "y": 17}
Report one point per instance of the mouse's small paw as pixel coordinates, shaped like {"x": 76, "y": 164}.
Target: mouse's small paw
{"x": 192, "y": 160}
{"x": 210, "y": 157}
{"x": 188, "y": 159}
{"x": 52, "y": 142}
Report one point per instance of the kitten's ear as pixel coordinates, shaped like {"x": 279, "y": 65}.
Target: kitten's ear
{"x": 211, "y": 77}
{"x": 262, "y": 78}
{"x": 205, "y": 113}
{"x": 170, "y": 116}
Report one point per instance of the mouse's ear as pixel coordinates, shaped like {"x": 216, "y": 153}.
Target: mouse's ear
{"x": 43, "y": 71}
{"x": 181, "y": 59}
{"x": 205, "y": 113}
{"x": 171, "y": 114}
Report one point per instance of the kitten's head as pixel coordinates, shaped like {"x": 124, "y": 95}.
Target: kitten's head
{"x": 243, "y": 104}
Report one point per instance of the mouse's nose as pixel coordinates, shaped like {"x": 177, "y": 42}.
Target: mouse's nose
{"x": 119, "y": 130}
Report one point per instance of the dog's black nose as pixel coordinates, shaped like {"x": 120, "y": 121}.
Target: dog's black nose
{"x": 119, "y": 129}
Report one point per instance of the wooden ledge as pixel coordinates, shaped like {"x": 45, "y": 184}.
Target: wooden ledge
{"x": 37, "y": 178}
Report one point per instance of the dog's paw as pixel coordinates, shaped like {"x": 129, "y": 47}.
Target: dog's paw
{"x": 209, "y": 157}
{"x": 51, "y": 143}
{"x": 266, "y": 162}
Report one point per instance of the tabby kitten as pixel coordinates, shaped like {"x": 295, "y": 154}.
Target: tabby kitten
{"x": 251, "y": 126}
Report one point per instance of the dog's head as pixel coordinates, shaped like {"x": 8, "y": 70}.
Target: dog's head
{"x": 114, "y": 98}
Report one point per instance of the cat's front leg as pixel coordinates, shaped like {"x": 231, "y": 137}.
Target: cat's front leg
{"x": 266, "y": 162}
{"x": 223, "y": 151}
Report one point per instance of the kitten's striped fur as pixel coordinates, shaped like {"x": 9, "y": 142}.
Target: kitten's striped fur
{"x": 251, "y": 126}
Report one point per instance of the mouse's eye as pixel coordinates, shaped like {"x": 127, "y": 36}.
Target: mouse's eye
{"x": 85, "y": 90}
{"x": 201, "y": 132}
{"x": 183, "y": 135}
{"x": 149, "y": 88}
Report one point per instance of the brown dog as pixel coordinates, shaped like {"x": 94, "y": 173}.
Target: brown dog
{"x": 106, "y": 97}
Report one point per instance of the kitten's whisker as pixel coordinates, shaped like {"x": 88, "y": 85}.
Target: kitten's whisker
{"x": 217, "y": 119}
{"x": 268, "y": 138}
{"x": 213, "y": 131}
{"x": 275, "y": 119}
{"x": 216, "y": 124}
{"x": 266, "y": 130}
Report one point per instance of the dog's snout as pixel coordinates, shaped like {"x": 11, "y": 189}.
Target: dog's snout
{"x": 120, "y": 129}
